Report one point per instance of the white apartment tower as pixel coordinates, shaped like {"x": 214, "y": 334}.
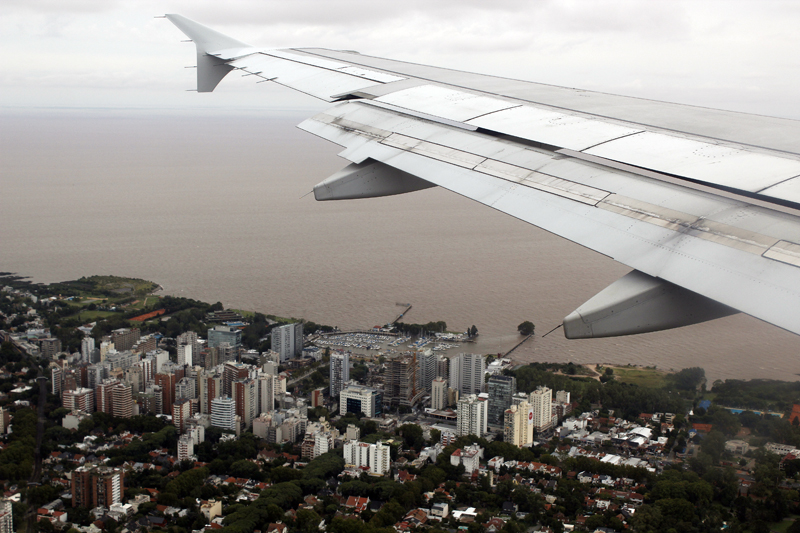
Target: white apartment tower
{"x": 427, "y": 372}
{"x": 466, "y": 373}
{"x": 379, "y": 459}
{"x": 439, "y": 393}
{"x": 185, "y": 447}
{"x": 340, "y": 372}
{"x": 185, "y": 354}
{"x": 472, "y": 416}
{"x": 87, "y": 349}
{"x": 541, "y": 403}
{"x": 190, "y": 338}
{"x": 374, "y": 456}
{"x": 266, "y": 393}
{"x": 356, "y": 453}
{"x": 6, "y": 517}
{"x": 288, "y": 340}
{"x": 223, "y": 413}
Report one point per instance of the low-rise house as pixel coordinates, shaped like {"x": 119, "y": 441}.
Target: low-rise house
{"x": 356, "y": 503}
{"x": 440, "y": 510}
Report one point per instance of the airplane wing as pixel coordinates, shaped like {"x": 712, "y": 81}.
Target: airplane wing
{"x": 703, "y": 204}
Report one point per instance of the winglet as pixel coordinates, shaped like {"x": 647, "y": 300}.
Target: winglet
{"x": 213, "y": 49}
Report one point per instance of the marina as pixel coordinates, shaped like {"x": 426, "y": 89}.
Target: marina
{"x": 379, "y": 342}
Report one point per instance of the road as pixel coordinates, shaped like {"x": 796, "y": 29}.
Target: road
{"x": 30, "y": 516}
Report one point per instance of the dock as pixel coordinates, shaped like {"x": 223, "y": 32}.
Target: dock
{"x": 523, "y": 341}
{"x": 401, "y": 315}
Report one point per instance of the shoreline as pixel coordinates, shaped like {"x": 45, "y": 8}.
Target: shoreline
{"x": 497, "y": 344}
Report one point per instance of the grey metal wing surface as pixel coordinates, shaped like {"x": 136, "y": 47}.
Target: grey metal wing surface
{"x": 703, "y": 204}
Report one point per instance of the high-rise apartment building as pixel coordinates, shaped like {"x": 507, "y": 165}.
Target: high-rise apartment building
{"x": 6, "y": 516}
{"x": 87, "y": 349}
{"x": 96, "y": 373}
{"x": 190, "y": 338}
{"x": 185, "y": 448}
{"x": 379, "y": 459}
{"x": 287, "y": 340}
{"x": 439, "y": 393}
{"x": 400, "y": 380}
{"x": 185, "y": 354}
{"x": 145, "y": 344}
{"x": 356, "y": 453}
{"x": 121, "y": 360}
{"x": 209, "y": 387}
{"x": 151, "y": 400}
{"x": 134, "y": 377}
{"x": 80, "y": 399}
{"x": 266, "y": 393}
{"x": 471, "y": 416}
{"x": 181, "y": 413}
{"x": 443, "y": 368}
{"x": 317, "y": 397}
{"x": 223, "y": 413}
{"x": 466, "y": 373}
{"x": 49, "y": 347}
{"x": 186, "y": 388}
{"x": 105, "y": 346}
{"x": 233, "y": 371}
{"x": 125, "y": 338}
{"x": 97, "y": 486}
{"x": 518, "y": 424}
{"x": 167, "y": 384}
{"x": 245, "y": 394}
{"x": 339, "y": 372}
{"x": 427, "y": 362}
{"x": 103, "y": 395}
{"x": 374, "y": 456}
{"x": 56, "y": 379}
{"x": 501, "y": 389}
{"x": 541, "y": 401}
{"x": 271, "y": 368}
{"x": 121, "y": 401}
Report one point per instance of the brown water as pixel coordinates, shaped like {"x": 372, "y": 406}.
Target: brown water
{"x": 210, "y": 207}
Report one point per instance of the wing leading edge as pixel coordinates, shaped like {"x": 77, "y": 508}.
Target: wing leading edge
{"x": 709, "y": 223}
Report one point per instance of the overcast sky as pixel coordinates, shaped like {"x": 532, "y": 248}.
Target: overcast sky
{"x": 107, "y": 53}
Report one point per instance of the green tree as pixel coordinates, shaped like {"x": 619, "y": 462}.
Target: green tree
{"x": 714, "y": 444}
{"x": 412, "y": 436}
{"x": 526, "y": 328}
{"x": 307, "y": 521}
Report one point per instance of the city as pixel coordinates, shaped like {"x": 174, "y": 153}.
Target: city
{"x": 245, "y": 422}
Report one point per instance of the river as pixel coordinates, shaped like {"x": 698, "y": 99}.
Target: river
{"x": 213, "y": 205}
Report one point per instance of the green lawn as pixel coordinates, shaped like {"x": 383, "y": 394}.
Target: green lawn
{"x": 643, "y": 377}
{"x": 91, "y": 316}
{"x": 783, "y": 525}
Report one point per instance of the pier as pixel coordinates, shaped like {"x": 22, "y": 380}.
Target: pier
{"x": 401, "y": 315}
{"x": 520, "y": 343}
